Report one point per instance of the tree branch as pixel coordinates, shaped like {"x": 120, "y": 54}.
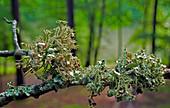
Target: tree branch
{"x": 14, "y": 24}
{"x": 17, "y": 50}
{"x": 33, "y": 91}
{"x": 9, "y": 22}
{"x": 7, "y": 53}
{"x": 24, "y": 92}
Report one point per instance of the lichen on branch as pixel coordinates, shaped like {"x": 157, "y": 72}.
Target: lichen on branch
{"x": 143, "y": 72}
{"x": 52, "y": 57}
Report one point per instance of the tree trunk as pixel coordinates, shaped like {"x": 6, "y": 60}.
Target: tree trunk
{"x": 119, "y": 28}
{"x": 146, "y": 5}
{"x": 154, "y": 26}
{"x": 100, "y": 31}
{"x": 91, "y": 16}
{"x": 91, "y": 26}
{"x": 70, "y": 19}
{"x": 16, "y": 16}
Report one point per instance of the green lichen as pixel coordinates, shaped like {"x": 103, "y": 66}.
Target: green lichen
{"x": 52, "y": 56}
{"x": 130, "y": 77}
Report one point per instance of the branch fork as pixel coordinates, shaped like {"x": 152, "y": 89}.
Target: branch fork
{"x": 17, "y": 50}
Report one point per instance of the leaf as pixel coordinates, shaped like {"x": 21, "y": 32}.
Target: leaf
{"x": 131, "y": 65}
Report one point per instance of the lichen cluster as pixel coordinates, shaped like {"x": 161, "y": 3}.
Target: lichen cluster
{"x": 131, "y": 76}
{"x": 143, "y": 72}
{"x": 52, "y": 56}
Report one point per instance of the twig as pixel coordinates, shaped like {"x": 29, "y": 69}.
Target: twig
{"x": 17, "y": 50}
{"x": 14, "y": 23}
{"x": 7, "y": 53}
{"x": 9, "y": 22}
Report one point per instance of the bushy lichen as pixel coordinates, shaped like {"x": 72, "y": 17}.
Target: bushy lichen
{"x": 52, "y": 56}
{"x": 130, "y": 77}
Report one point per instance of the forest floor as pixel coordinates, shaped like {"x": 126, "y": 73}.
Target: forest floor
{"x": 76, "y": 97}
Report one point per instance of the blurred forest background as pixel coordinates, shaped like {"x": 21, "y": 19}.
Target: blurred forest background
{"x": 103, "y": 28}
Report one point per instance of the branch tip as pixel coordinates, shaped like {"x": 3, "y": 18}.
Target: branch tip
{"x": 9, "y": 22}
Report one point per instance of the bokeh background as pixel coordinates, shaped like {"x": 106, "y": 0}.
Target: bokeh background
{"x": 103, "y": 28}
